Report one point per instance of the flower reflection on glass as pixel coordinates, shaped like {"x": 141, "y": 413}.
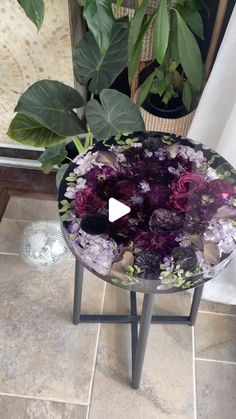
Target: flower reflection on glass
{"x": 182, "y": 223}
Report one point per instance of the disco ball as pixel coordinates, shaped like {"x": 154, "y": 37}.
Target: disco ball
{"x": 43, "y": 244}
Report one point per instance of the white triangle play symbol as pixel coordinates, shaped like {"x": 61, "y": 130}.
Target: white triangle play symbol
{"x": 117, "y": 209}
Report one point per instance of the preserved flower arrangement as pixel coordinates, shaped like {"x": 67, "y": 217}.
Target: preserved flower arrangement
{"x": 181, "y": 230}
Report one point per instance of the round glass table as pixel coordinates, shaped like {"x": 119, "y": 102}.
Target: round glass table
{"x": 180, "y": 231}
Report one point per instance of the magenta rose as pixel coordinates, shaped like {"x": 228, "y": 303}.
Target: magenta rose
{"x": 87, "y": 202}
{"x": 185, "y": 191}
{"x": 188, "y": 182}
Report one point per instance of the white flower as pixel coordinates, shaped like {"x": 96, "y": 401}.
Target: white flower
{"x": 96, "y": 251}
{"x": 71, "y": 190}
{"x": 204, "y": 265}
{"x": 85, "y": 162}
{"x": 137, "y": 145}
{"x": 189, "y": 153}
{"x": 81, "y": 184}
{"x": 148, "y": 153}
{"x": 144, "y": 186}
{"x": 117, "y": 150}
{"x": 211, "y": 174}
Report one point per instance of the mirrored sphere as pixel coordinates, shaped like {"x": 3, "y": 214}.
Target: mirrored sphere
{"x": 43, "y": 244}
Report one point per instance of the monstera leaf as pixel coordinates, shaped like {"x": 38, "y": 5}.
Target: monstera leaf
{"x": 26, "y": 131}
{"x": 34, "y": 9}
{"x": 52, "y": 104}
{"x": 99, "y": 17}
{"x": 115, "y": 114}
{"x": 101, "y": 69}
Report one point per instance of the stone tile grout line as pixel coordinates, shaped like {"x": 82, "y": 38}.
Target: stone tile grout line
{"x": 219, "y": 361}
{"x": 194, "y": 375}
{"x": 96, "y": 354}
{"x": 42, "y": 399}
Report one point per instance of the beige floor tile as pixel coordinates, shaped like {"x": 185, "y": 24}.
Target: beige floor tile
{"x": 22, "y": 408}
{"x": 216, "y": 384}
{"x": 11, "y": 232}
{"x": 217, "y": 307}
{"x": 215, "y": 337}
{"x": 31, "y": 209}
{"x": 119, "y": 302}
{"x": 42, "y": 354}
{"x": 166, "y": 389}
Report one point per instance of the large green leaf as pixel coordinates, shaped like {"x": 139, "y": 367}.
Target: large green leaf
{"x": 136, "y": 33}
{"x": 187, "y": 96}
{"x": 52, "y": 104}
{"x": 135, "y": 54}
{"x": 34, "y": 9}
{"x": 145, "y": 89}
{"x": 101, "y": 69}
{"x": 115, "y": 114}
{"x": 26, "y": 131}
{"x": 193, "y": 20}
{"x": 60, "y": 173}
{"x": 189, "y": 53}
{"x": 161, "y": 31}
{"x": 99, "y": 17}
{"x": 52, "y": 156}
{"x": 174, "y": 53}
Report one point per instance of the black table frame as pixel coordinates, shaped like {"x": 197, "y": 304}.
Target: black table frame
{"x": 138, "y": 340}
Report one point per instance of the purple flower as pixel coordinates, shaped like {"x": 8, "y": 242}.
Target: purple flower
{"x": 149, "y": 265}
{"x": 98, "y": 176}
{"x": 87, "y": 202}
{"x": 163, "y": 219}
{"x": 158, "y": 196}
{"x": 160, "y": 242}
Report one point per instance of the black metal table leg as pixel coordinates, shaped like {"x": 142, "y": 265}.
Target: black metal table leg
{"x": 139, "y": 340}
{"x": 195, "y": 304}
{"x": 79, "y": 272}
{"x": 146, "y": 319}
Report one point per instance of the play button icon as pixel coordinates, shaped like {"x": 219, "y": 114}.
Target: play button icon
{"x": 116, "y": 209}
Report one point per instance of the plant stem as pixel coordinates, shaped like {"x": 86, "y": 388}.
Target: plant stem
{"x": 78, "y": 144}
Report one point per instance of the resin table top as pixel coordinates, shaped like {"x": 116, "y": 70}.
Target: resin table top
{"x": 181, "y": 230}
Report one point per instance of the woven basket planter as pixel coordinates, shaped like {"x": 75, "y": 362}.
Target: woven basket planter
{"x": 178, "y": 126}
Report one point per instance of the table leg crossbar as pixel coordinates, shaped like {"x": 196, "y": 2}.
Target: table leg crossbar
{"x": 138, "y": 340}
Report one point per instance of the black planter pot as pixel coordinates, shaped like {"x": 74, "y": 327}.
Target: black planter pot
{"x": 154, "y": 105}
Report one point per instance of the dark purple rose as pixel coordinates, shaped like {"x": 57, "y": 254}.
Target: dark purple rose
{"x": 186, "y": 191}
{"x": 188, "y": 182}
{"x": 158, "y": 196}
{"x": 124, "y": 189}
{"x": 179, "y": 202}
{"x": 149, "y": 265}
{"x": 87, "y": 202}
{"x": 185, "y": 258}
{"x": 163, "y": 219}
{"x": 97, "y": 176}
{"x": 160, "y": 242}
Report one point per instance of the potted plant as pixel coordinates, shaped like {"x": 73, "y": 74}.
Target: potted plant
{"x": 170, "y": 86}
{"x": 47, "y": 113}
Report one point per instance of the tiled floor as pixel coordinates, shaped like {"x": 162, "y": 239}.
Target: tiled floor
{"x": 51, "y": 369}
